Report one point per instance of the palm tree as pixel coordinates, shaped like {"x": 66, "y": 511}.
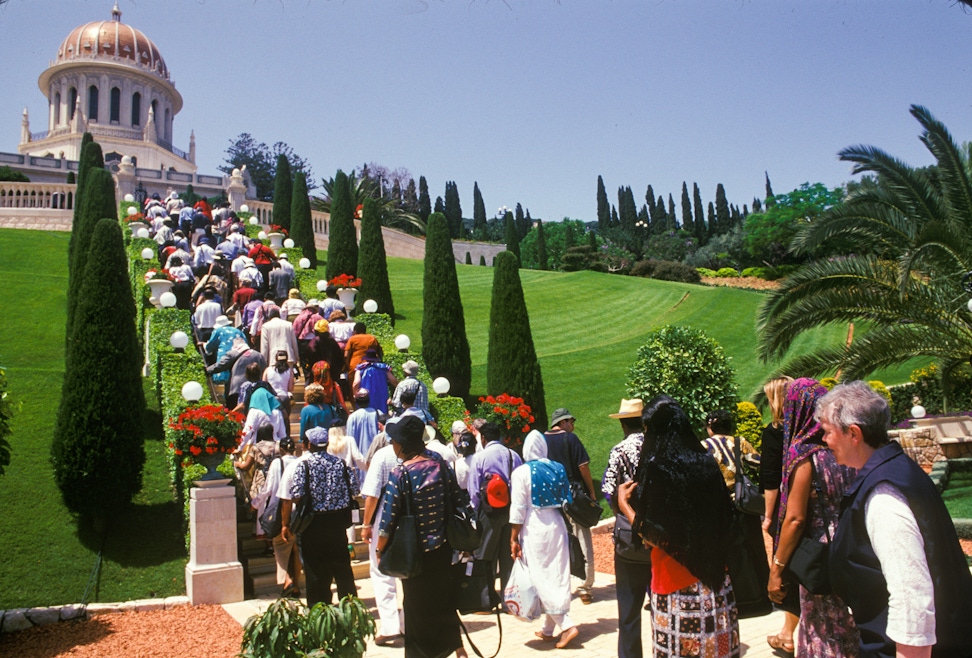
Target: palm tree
{"x": 906, "y": 280}
{"x": 363, "y": 188}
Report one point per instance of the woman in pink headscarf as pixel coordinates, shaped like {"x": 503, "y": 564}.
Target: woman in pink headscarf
{"x": 810, "y": 492}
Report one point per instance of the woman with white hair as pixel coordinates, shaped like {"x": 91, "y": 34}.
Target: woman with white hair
{"x": 538, "y": 488}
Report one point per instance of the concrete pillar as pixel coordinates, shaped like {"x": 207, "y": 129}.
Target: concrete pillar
{"x": 214, "y": 574}
{"x": 125, "y": 177}
{"x": 236, "y": 190}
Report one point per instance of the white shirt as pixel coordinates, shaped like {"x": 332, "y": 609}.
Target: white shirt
{"x": 206, "y": 314}
{"x": 378, "y": 473}
{"x": 283, "y": 491}
{"x": 899, "y": 546}
{"x": 203, "y": 256}
{"x": 280, "y": 381}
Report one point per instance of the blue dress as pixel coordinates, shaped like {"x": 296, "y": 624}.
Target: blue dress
{"x": 221, "y": 341}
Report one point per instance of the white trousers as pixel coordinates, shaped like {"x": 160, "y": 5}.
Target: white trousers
{"x": 385, "y": 587}
{"x": 552, "y": 621}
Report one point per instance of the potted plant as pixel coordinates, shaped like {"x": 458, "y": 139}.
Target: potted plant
{"x": 204, "y": 435}
{"x": 159, "y": 282}
{"x": 347, "y": 287}
{"x": 135, "y": 222}
{"x": 512, "y": 415}
{"x": 276, "y": 236}
{"x": 288, "y": 628}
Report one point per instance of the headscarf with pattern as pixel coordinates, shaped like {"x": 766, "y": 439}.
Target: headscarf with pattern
{"x": 548, "y": 479}
{"x": 802, "y": 435}
{"x": 322, "y": 375}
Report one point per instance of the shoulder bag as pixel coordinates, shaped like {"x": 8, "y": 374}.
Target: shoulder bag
{"x": 460, "y": 526}
{"x": 628, "y": 544}
{"x": 402, "y": 557}
{"x": 746, "y": 496}
{"x": 583, "y": 509}
{"x": 578, "y": 563}
{"x": 303, "y": 513}
{"x": 808, "y": 564}
{"x": 270, "y": 519}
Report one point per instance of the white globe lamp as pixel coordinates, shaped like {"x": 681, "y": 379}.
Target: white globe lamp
{"x": 254, "y": 221}
{"x": 167, "y": 299}
{"x": 289, "y": 244}
{"x": 304, "y": 263}
{"x": 262, "y": 235}
{"x": 142, "y": 233}
{"x": 244, "y": 208}
{"x": 132, "y": 210}
{"x": 370, "y": 306}
{"x": 129, "y": 197}
{"x": 148, "y": 253}
{"x": 441, "y": 386}
{"x": 192, "y": 392}
{"x": 918, "y": 411}
{"x": 179, "y": 340}
{"x": 321, "y": 283}
{"x": 402, "y": 342}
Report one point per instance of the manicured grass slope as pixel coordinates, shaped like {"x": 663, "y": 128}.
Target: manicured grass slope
{"x": 45, "y": 559}
{"x": 587, "y": 328}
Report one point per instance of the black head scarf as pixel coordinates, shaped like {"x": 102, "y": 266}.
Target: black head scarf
{"x": 681, "y": 502}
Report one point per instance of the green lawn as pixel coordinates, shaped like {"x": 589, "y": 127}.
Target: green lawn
{"x": 46, "y": 560}
{"x": 958, "y": 495}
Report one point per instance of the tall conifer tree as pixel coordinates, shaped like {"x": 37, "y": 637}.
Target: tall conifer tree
{"x": 672, "y": 217}
{"x": 687, "y": 223}
{"x": 91, "y": 157}
{"x": 424, "y": 202}
{"x": 453, "y": 210}
{"x": 98, "y": 202}
{"x": 97, "y": 452}
{"x": 439, "y": 206}
{"x": 603, "y": 208}
{"x": 283, "y": 192}
{"x": 445, "y": 348}
{"x": 342, "y": 246}
{"x": 769, "y": 189}
{"x": 372, "y": 263}
{"x": 479, "y": 214}
{"x": 301, "y": 224}
{"x": 723, "y": 214}
{"x": 712, "y": 221}
{"x": 510, "y": 234}
{"x": 522, "y": 225}
{"x": 512, "y": 366}
{"x": 542, "y": 258}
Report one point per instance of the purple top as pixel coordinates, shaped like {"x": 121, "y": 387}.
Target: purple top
{"x": 494, "y": 458}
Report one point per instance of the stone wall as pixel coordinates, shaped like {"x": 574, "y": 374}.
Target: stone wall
{"x": 921, "y": 445}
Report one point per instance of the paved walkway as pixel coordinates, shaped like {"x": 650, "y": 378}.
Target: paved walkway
{"x": 596, "y": 622}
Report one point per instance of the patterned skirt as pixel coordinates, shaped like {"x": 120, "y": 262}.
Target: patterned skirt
{"x": 695, "y": 621}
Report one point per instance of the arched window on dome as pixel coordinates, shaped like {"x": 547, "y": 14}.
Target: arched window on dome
{"x": 167, "y": 127}
{"x": 93, "y": 103}
{"x": 114, "y": 116}
{"x": 136, "y": 109}
{"x": 73, "y": 98}
{"x": 57, "y": 109}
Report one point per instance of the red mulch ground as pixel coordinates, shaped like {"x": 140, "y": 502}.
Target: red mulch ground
{"x": 749, "y": 282}
{"x": 204, "y": 631}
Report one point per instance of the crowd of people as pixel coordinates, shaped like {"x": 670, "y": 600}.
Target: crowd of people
{"x": 898, "y": 582}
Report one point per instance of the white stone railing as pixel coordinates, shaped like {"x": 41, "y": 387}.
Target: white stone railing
{"x": 37, "y": 195}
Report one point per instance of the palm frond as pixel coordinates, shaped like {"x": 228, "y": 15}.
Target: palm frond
{"x": 951, "y": 165}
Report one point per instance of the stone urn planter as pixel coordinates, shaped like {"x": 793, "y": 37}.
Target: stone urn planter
{"x": 135, "y": 226}
{"x": 276, "y": 241}
{"x": 211, "y": 462}
{"x": 346, "y": 295}
{"x": 158, "y": 286}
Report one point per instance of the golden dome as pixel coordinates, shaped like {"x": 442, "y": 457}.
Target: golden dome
{"x": 113, "y": 41}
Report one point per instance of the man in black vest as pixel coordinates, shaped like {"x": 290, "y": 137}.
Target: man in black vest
{"x": 895, "y": 558}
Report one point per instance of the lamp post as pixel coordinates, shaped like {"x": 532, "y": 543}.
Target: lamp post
{"x": 179, "y": 340}
{"x": 441, "y": 386}
{"x": 402, "y": 342}
{"x": 370, "y": 306}
{"x": 192, "y": 392}
{"x": 167, "y": 300}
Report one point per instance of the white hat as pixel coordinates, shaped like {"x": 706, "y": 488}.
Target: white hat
{"x": 284, "y": 256}
{"x": 221, "y": 321}
{"x": 458, "y": 427}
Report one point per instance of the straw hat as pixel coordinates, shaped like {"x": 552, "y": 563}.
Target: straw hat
{"x": 629, "y": 409}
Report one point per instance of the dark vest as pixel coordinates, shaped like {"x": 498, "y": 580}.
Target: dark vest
{"x": 855, "y": 571}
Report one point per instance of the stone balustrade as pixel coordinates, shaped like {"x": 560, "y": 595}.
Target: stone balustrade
{"x": 58, "y": 196}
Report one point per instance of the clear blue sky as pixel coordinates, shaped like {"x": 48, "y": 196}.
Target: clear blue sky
{"x": 535, "y": 98}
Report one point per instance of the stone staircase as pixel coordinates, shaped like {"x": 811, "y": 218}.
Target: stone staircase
{"x": 259, "y": 566}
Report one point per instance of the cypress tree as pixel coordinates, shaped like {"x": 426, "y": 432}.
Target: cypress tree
{"x": 512, "y": 365}
{"x": 672, "y": 217}
{"x": 98, "y": 202}
{"x": 97, "y": 451}
{"x": 627, "y": 210}
{"x": 372, "y": 265}
{"x": 410, "y": 198}
{"x": 522, "y": 224}
{"x": 510, "y": 234}
{"x": 687, "y": 223}
{"x": 424, "y": 203}
{"x": 283, "y": 192}
{"x": 592, "y": 241}
{"x": 713, "y": 222}
{"x": 453, "y": 210}
{"x": 482, "y": 260}
{"x": 662, "y": 214}
{"x": 723, "y": 214}
{"x": 301, "y": 226}
{"x": 342, "y": 249}
{"x": 468, "y": 258}
{"x": 757, "y": 205}
{"x": 445, "y": 347}
{"x": 614, "y": 217}
{"x": 769, "y": 189}
{"x": 91, "y": 157}
{"x": 479, "y": 214}
{"x": 542, "y": 257}
{"x": 603, "y": 209}
{"x": 700, "y": 229}
{"x": 439, "y": 206}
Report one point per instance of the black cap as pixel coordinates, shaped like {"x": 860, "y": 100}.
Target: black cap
{"x": 408, "y": 431}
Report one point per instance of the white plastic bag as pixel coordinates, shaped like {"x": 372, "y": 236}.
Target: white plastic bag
{"x": 520, "y": 595}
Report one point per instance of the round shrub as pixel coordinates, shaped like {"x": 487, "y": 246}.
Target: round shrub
{"x": 749, "y": 423}
{"x": 706, "y": 272}
{"x": 757, "y": 272}
{"x": 667, "y": 270}
{"x": 727, "y": 273}
{"x": 829, "y": 383}
{"x": 878, "y": 387}
{"x": 643, "y": 268}
{"x": 689, "y": 366}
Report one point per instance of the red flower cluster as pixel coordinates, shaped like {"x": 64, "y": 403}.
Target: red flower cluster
{"x": 506, "y": 411}
{"x": 277, "y": 228}
{"x": 137, "y": 217}
{"x": 345, "y": 281}
{"x": 208, "y": 428}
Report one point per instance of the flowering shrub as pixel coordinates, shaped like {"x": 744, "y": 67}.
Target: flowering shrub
{"x": 206, "y": 429}
{"x": 277, "y": 228}
{"x": 345, "y": 281}
{"x": 506, "y": 411}
{"x": 749, "y": 423}
{"x": 158, "y": 274}
{"x": 137, "y": 217}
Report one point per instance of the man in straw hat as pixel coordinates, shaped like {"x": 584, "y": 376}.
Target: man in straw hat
{"x": 632, "y": 566}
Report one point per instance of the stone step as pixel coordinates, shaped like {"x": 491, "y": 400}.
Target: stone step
{"x": 251, "y": 546}
{"x": 261, "y": 565}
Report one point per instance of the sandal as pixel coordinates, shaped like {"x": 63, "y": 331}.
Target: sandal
{"x": 778, "y": 643}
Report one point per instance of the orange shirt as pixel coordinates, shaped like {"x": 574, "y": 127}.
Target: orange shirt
{"x": 355, "y": 348}
{"x": 667, "y": 575}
